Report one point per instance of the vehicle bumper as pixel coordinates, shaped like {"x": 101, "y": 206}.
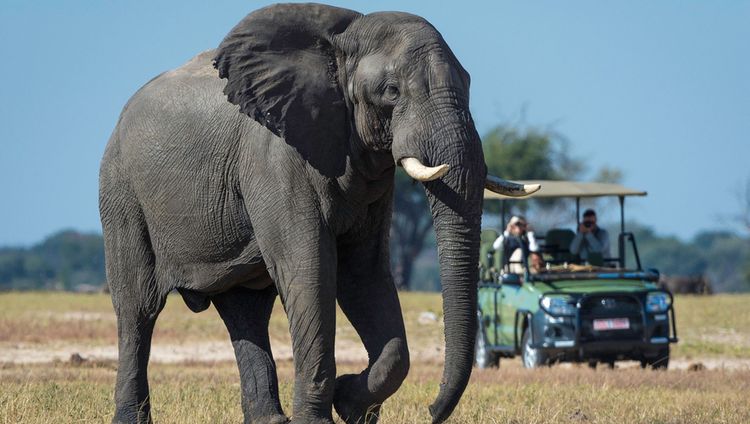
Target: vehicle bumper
{"x": 620, "y": 349}
{"x": 572, "y": 338}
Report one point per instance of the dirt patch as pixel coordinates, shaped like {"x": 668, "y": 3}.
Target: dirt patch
{"x": 220, "y": 351}
{"x": 77, "y": 316}
{"x": 730, "y": 364}
{"x": 211, "y": 351}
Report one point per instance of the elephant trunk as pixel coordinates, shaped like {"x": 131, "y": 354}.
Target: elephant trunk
{"x": 456, "y": 205}
{"x": 458, "y": 249}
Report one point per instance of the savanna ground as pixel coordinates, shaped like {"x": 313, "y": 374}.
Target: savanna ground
{"x": 57, "y": 364}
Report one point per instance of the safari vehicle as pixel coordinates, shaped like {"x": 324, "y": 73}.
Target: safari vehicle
{"x": 595, "y": 312}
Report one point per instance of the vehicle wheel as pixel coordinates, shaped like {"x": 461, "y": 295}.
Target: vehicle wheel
{"x": 532, "y": 358}
{"x": 483, "y": 357}
{"x": 658, "y": 362}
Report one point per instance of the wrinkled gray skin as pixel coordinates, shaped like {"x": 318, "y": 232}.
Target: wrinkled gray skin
{"x": 272, "y": 172}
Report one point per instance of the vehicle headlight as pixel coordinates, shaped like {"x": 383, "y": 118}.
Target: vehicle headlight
{"x": 657, "y": 302}
{"x": 559, "y": 305}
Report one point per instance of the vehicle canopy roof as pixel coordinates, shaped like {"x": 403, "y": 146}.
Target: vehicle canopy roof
{"x": 553, "y": 188}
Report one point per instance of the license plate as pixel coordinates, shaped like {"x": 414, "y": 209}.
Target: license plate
{"x": 611, "y": 324}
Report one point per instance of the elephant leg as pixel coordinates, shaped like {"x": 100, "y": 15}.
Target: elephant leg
{"x": 367, "y": 295}
{"x": 137, "y": 301}
{"x": 302, "y": 263}
{"x": 132, "y": 403}
{"x": 374, "y": 311}
{"x": 309, "y": 299}
{"x": 246, "y": 314}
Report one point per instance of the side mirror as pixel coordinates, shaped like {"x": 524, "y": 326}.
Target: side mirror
{"x": 511, "y": 279}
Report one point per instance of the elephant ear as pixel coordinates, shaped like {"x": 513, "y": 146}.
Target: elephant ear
{"x": 281, "y": 69}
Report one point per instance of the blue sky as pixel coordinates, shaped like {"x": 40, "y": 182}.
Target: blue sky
{"x": 657, "y": 89}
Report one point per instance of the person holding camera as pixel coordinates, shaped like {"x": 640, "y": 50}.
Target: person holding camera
{"x": 517, "y": 241}
{"x": 590, "y": 238}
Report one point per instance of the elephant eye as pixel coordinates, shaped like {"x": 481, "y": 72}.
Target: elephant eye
{"x": 391, "y": 93}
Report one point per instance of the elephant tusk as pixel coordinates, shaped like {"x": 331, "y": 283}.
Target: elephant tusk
{"x": 509, "y": 188}
{"x": 419, "y": 172}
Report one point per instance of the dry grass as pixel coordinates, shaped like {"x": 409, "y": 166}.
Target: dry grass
{"x": 713, "y": 326}
{"x": 196, "y": 392}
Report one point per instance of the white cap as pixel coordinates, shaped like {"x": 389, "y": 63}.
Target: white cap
{"x": 514, "y": 220}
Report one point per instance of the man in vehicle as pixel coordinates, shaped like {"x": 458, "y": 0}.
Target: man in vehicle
{"x": 516, "y": 241}
{"x": 591, "y": 243}
{"x": 536, "y": 263}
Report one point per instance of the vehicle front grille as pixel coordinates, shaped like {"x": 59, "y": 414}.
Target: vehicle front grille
{"x": 611, "y": 307}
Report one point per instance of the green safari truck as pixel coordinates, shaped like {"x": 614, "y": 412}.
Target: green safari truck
{"x": 599, "y": 311}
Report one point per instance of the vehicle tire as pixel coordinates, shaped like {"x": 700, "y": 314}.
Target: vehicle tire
{"x": 531, "y": 357}
{"x": 658, "y": 362}
{"x": 483, "y": 356}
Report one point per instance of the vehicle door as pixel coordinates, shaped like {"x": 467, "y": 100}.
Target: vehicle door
{"x": 510, "y": 298}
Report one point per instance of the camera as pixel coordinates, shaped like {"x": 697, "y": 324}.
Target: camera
{"x": 588, "y": 224}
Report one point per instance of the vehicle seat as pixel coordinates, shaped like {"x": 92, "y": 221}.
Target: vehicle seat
{"x": 595, "y": 259}
{"x": 557, "y": 244}
{"x": 489, "y": 259}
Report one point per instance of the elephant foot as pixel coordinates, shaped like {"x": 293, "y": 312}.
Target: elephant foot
{"x": 270, "y": 419}
{"x": 352, "y": 404}
{"x": 307, "y": 420}
{"x": 131, "y": 416}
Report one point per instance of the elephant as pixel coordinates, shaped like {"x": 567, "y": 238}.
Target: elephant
{"x": 265, "y": 168}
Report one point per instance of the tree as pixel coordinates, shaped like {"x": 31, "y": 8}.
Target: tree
{"x": 607, "y": 174}
{"x": 727, "y": 257}
{"x": 62, "y": 261}
{"x": 744, "y": 219}
{"x": 720, "y": 256}
{"x": 410, "y": 226}
{"x": 530, "y": 154}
